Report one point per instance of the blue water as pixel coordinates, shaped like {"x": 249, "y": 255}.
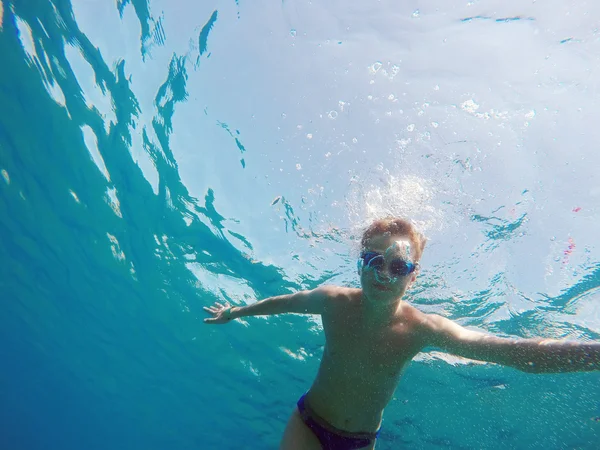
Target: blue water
{"x": 122, "y": 216}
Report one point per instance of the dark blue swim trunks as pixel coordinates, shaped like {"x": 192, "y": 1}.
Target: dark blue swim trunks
{"x": 332, "y": 438}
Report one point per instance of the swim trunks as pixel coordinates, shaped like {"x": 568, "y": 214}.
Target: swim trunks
{"x": 332, "y": 438}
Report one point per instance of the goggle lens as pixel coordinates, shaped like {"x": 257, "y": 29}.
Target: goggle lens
{"x": 398, "y": 267}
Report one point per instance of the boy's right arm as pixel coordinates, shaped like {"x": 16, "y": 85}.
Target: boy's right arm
{"x": 303, "y": 302}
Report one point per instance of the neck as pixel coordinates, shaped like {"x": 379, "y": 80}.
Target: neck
{"x": 379, "y": 311}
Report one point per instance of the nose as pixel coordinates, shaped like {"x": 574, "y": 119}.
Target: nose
{"x": 382, "y": 275}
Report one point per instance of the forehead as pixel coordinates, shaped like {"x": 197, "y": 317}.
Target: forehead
{"x": 381, "y": 242}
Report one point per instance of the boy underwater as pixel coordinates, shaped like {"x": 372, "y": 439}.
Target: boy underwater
{"x": 372, "y": 334}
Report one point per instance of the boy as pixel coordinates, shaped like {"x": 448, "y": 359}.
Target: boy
{"x": 371, "y": 334}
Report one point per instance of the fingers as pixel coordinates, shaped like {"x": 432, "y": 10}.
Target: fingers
{"x": 216, "y": 311}
{"x": 217, "y": 307}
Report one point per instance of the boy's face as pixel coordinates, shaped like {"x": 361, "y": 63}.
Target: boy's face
{"x": 385, "y": 275}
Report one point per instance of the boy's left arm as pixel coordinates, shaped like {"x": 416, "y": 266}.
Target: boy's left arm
{"x": 528, "y": 355}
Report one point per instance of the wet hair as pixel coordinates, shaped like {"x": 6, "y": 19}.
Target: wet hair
{"x": 396, "y": 226}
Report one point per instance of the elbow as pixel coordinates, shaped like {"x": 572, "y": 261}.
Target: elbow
{"x": 541, "y": 367}
{"x": 527, "y": 366}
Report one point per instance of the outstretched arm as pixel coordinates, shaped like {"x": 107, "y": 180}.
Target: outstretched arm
{"x": 528, "y": 355}
{"x": 303, "y": 302}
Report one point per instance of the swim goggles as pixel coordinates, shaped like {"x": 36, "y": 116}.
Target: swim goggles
{"x": 398, "y": 267}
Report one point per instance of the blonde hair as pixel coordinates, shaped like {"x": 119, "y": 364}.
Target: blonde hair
{"x": 395, "y": 226}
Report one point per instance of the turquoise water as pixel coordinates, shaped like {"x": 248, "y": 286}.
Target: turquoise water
{"x": 146, "y": 174}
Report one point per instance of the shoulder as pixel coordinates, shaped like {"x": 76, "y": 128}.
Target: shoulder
{"x": 413, "y": 315}
{"x": 336, "y": 297}
{"x": 438, "y": 331}
{"x": 425, "y": 326}
{"x": 338, "y": 292}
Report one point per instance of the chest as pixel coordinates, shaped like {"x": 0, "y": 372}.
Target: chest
{"x": 354, "y": 344}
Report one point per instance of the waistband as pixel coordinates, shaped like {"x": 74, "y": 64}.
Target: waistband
{"x": 306, "y": 411}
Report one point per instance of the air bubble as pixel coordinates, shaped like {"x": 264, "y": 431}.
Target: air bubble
{"x": 469, "y": 106}
{"x": 376, "y": 66}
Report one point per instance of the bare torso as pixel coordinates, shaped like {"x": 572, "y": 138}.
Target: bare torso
{"x": 361, "y": 363}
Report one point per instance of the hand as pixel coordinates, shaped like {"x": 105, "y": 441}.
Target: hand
{"x": 221, "y": 313}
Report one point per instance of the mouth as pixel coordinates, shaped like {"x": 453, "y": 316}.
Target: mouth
{"x": 381, "y": 287}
